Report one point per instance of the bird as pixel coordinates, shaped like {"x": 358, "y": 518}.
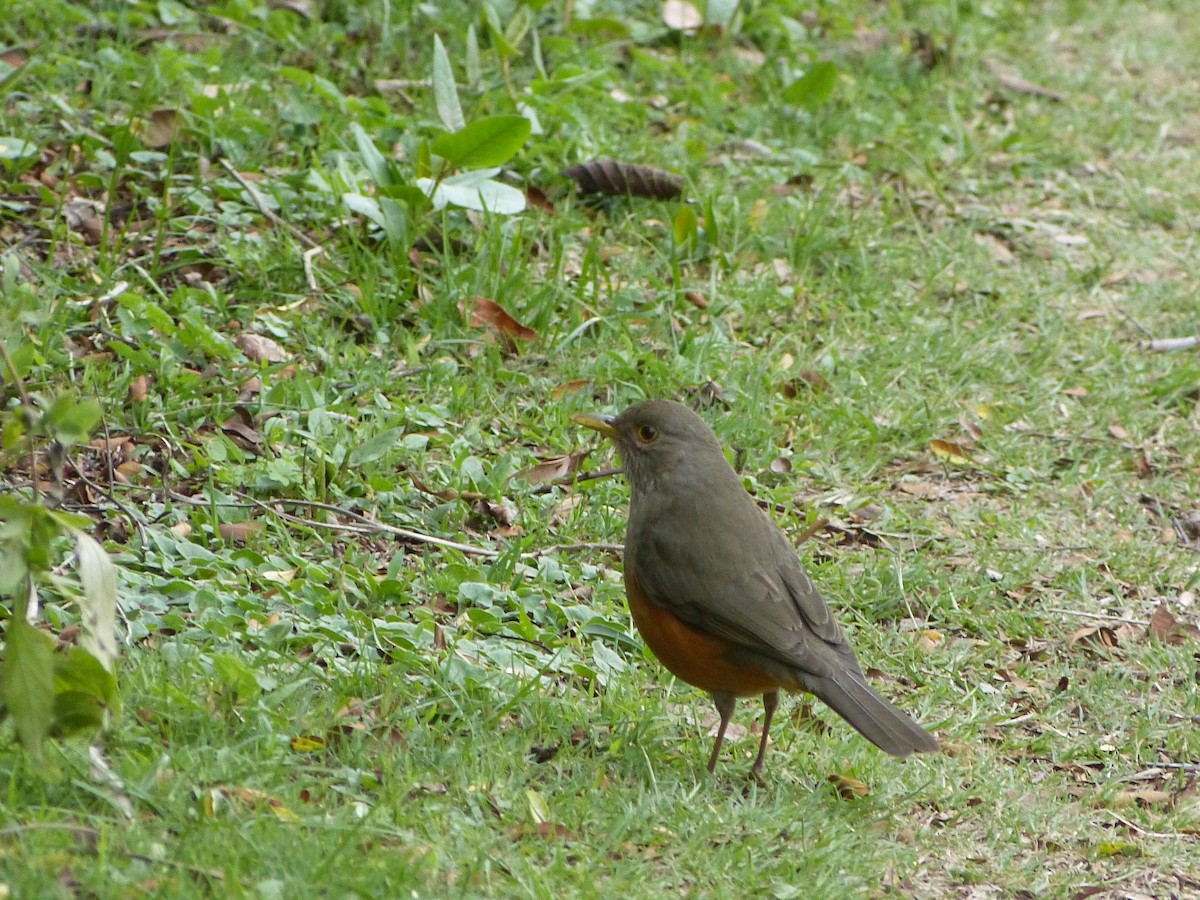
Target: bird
{"x": 717, "y": 591}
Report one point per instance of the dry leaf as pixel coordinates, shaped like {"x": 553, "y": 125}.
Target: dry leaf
{"x": 14, "y": 56}
{"x": 537, "y": 198}
{"x": 551, "y": 469}
{"x": 1000, "y": 252}
{"x": 239, "y": 532}
{"x": 805, "y": 382}
{"x": 491, "y": 315}
{"x": 83, "y": 217}
{"x": 240, "y": 429}
{"x": 1165, "y": 627}
{"x": 139, "y": 389}
{"x": 444, "y": 494}
{"x": 161, "y": 129}
{"x": 562, "y": 511}
{"x": 1145, "y": 797}
{"x": 681, "y": 16}
{"x": 569, "y": 387}
{"x": 929, "y": 639}
{"x": 260, "y": 349}
{"x": 949, "y": 451}
{"x": 1094, "y": 635}
{"x": 848, "y": 788}
{"x": 1076, "y": 392}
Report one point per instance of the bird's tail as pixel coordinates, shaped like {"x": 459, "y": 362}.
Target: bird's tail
{"x": 881, "y": 723}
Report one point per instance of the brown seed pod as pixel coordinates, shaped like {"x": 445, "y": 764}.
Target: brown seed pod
{"x": 615, "y": 178}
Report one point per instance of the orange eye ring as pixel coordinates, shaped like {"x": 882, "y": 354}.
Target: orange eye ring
{"x": 647, "y": 434}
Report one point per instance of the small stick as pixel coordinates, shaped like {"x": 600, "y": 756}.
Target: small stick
{"x": 309, "y": 276}
{"x": 261, "y": 202}
{"x": 577, "y": 478}
{"x": 1165, "y": 344}
{"x": 1101, "y": 617}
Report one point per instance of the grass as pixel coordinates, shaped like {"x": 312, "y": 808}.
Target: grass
{"x": 929, "y": 256}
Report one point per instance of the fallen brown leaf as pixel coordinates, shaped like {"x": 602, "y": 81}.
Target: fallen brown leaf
{"x": 950, "y": 451}
{"x": 848, "y": 788}
{"x": 259, "y": 348}
{"x": 239, "y": 532}
{"x": 491, "y": 315}
{"x": 1166, "y": 628}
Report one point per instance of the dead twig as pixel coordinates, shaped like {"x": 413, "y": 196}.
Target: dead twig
{"x": 256, "y": 196}
{"x": 578, "y": 478}
{"x": 1101, "y": 617}
{"x": 1009, "y": 81}
{"x": 309, "y": 276}
{"x": 1163, "y": 345}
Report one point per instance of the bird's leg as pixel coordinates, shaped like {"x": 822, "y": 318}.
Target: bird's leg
{"x": 770, "y": 701}
{"x": 724, "y": 702}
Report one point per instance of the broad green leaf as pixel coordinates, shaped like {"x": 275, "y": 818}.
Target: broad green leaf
{"x": 79, "y": 670}
{"x": 518, "y": 26}
{"x": 70, "y": 421}
{"x": 98, "y": 603}
{"x": 474, "y": 190}
{"x": 686, "y": 227}
{"x": 720, "y": 12}
{"x": 500, "y": 43}
{"x": 378, "y": 167}
{"x": 474, "y": 71}
{"x": 86, "y": 692}
{"x": 445, "y": 93}
{"x": 15, "y": 148}
{"x": 29, "y": 682}
{"x": 711, "y": 231}
{"x": 376, "y": 447}
{"x": 364, "y": 206}
{"x": 486, "y": 142}
{"x": 235, "y": 675}
{"x": 814, "y": 87}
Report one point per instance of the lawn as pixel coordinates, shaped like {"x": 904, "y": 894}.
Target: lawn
{"x": 318, "y": 266}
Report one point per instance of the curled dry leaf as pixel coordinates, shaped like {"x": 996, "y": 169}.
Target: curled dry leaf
{"x": 536, "y": 197}
{"x": 1145, "y": 797}
{"x": 82, "y": 217}
{"x": 804, "y": 383}
{"x": 161, "y": 129}
{"x": 570, "y": 387}
{"x": 260, "y": 349}
{"x": 239, "y": 532}
{"x": 615, "y": 178}
{"x": 848, "y": 788}
{"x": 1166, "y": 628}
{"x": 443, "y": 494}
{"x": 139, "y": 389}
{"x": 240, "y": 429}
{"x": 552, "y": 468}
{"x": 950, "y": 451}
{"x": 562, "y": 511}
{"x": 491, "y": 315}
{"x": 14, "y": 56}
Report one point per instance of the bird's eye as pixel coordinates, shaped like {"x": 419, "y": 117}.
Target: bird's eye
{"x": 647, "y": 434}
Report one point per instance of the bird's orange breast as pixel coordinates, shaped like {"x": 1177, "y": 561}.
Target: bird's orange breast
{"x": 701, "y": 659}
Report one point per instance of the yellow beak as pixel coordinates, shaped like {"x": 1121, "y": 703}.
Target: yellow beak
{"x": 602, "y": 424}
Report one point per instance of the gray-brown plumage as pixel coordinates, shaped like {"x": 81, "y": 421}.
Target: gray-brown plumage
{"x": 717, "y": 590}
